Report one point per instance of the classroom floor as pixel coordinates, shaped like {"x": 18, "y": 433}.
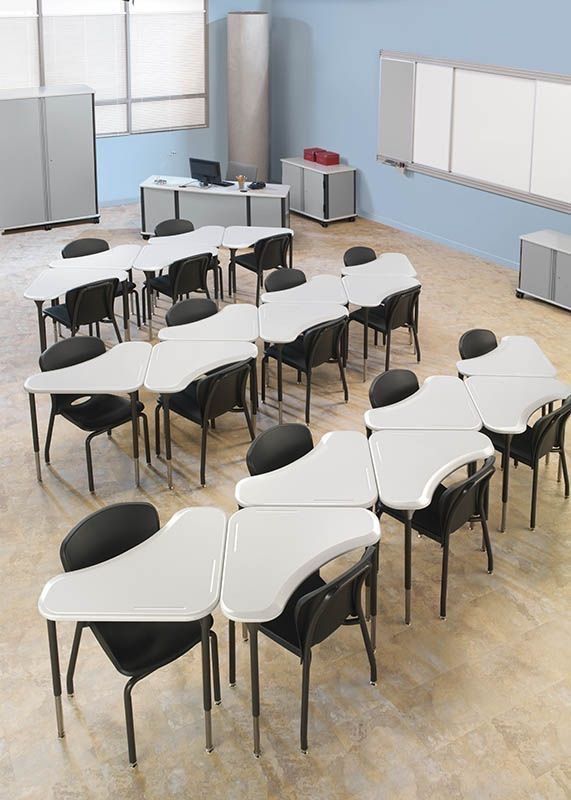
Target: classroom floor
{"x": 475, "y": 707}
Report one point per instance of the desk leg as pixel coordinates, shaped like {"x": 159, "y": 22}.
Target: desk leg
{"x": 506, "y": 482}
{"x": 148, "y": 276}
{"x": 126, "y": 313}
{"x": 365, "y": 343}
{"x": 35, "y": 436}
{"x": 167, "y": 424}
{"x": 255, "y": 679}
{"x": 407, "y": 566}
{"x": 206, "y": 684}
{"x": 135, "y": 425}
{"x": 56, "y": 678}
{"x": 280, "y": 385}
{"x": 41, "y": 325}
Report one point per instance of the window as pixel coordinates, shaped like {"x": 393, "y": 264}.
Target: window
{"x": 146, "y": 62}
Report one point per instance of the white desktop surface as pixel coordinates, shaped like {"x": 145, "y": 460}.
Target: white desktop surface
{"x": 153, "y": 259}
{"x": 281, "y": 323}
{"x": 240, "y": 237}
{"x": 515, "y": 356}
{"x": 173, "y": 365}
{"x": 208, "y": 236}
{"x": 186, "y": 184}
{"x": 385, "y": 264}
{"x": 441, "y": 403}
{"x": 505, "y": 404}
{"x": 120, "y": 257}
{"x": 234, "y": 323}
{"x": 369, "y": 291}
{"x": 270, "y": 551}
{"x": 409, "y": 465}
{"x": 117, "y": 371}
{"x": 337, "y": 472}
{"x": 321, "y": 289}
{"x": 53, "y": 283}
{"x": 174, "y": 576}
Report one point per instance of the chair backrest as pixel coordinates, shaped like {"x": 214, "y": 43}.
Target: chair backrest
{"x": 459, "y": 502}
{"x": 277, "y": 447}
{"x": 477, "y": 342}
{"x": 549, "y": 431}
{"x": 172, "y": 227}
{"x": 235, "y": 168}
{"x": 284, "y": 279}
{"x": 399, "y": 308}
{"x": 319, "y": 613}
{"x": 358, "y": 255}
{"x": 192, "y": 310}
{"x": 392, "y": 386}
{"x": 84, "y": 247}
{"x": 91, "y": 302}
{"x": 322, "y": 342}
{"x": 66, "y": 353}
{"x": 189, "y": 274}
{"x": 272, "y": 251}
{"x": 223, "y": 389}
{"x": 107, "y": 533}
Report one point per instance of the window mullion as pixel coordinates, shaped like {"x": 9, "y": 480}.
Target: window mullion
{"x": 128, "y": 66}
{"x": 41, "y": 58}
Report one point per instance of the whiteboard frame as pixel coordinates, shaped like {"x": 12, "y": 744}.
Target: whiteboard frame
{"x": 474, "y": 183}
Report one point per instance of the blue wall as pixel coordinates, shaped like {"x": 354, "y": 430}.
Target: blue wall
{"x": 325, "y": 93}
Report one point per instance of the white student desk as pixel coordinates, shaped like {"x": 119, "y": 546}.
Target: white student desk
{"x": 269, "y": 552}
{"x": 174, "y": 576}
{"x": 120, "y": 257}
{"x": 516, "y": 356}
{"x": 243, "y": 237}
{"x": 410, "y": 464}
{"x": 120, "y": 370}
{"x": 369, "y": 291}
{"x": 385, "y": 264}
{"x": 237, "y": 323}
{"x": 208, "y": 235}
{"x": 174, "y": 365}
{"x": 505, "y": 404}
{"x": 321, "y": 289}
{"x": 53, "y": 283}
{"x": 441, "y": 403}
{"x": 281, "y": 323}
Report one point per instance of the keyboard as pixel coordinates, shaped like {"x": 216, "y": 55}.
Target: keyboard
{"x": 222, "y": 183}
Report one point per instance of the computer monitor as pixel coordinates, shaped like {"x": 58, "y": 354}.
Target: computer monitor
{"x": 205, "y": 171}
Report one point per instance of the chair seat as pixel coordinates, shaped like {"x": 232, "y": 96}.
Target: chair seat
{"x": 131, "y": 287}
{"x": 59, "y": 313}
{"x": 282, "y": 628}
{"x": 162, "y": 284}
{"x": 185, "y": 403}
{"x": 139, "y": 647}
{"x": 425, "y": 520}
{"x": 248, "y": 260}
{"x": 100, "y": 411}
{"x": 520, "y": 447}
{"x": 376, "y": 318}
{"x": 293, "y": 354}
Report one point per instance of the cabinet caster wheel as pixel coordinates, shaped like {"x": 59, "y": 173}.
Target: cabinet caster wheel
{"x": 519, "y": 294}
{"x": 324, "y": 224}
{"x": 47, "y": 227}
{"x": 352, "y": 219}
{"x": 146, "y": 236}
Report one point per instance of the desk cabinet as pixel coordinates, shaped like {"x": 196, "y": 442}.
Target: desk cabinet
{"x": 545, "y": 267}
{"x": 322, "y": 193}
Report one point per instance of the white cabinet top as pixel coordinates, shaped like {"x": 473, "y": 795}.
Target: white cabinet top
{"x": 409, "y": 465}
{"x": 315, "y": 167}
{"x": 515, "y": 356}
{"x": 369, "y": 291}
{"x": 555, "y": 240}
{"x": 173, "y": 365}
{"x": 174, "y": 576}
{"x": 52, "y": 283}
{"x": 337, "y": 472}
{"x": 283, "y": 322}
{"x": 208, "y": 236}
{"x": 241, "y": 237}
{"x": 44, "y": 91}
{"x": 236, "y": 323}
{"x": 117, "y": 371}
{"x": 120, "y": 257}
{"x": 270, "y": 551}
{"x": 441, "y": 403}
{"x": 155, "y": 258}
{"x": 385, "y": 264}
{"x": 506, "y": 404}
{"x": 321, "y": 289}
{"x": 186, "y": 184}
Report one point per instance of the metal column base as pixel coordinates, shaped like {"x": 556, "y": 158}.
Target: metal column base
{"x": 208, "y": 731}
{"x": 407, "y": 599}
{"x": 257, "y": 750}
{"x": 59, "y": 717}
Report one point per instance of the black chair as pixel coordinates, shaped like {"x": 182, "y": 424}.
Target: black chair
{"x": 392, "y": 386}
{"x": 314, "y": 612}
{"x": 284, "y": 279}
{"x": 399, "y": 310}
{"x": 136, "y": 649}
{"x": 477, "y": 342}
{"x": 269, "y": 253}
{"x": 358, "y": 255}
{"x": 183, "y": 277}
{"x": 173, "y": 227}
{"x": 277, "y": 447}
{"x": 84, "y": 247}
{"x": 90, "y": 305}
{"x": 320, "y": 344}
{"x": 207, "y": 398}
{"x": 192, "y": 310}
{"x": 451, "y": 508}
{"x": 94, "y": 414}
{"x": 547, "y": 435}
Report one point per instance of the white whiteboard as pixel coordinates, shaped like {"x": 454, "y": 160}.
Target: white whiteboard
{"x": 432, "y": 115}
{"x": 493, "y": 128}
{"x": 551, "y": 167}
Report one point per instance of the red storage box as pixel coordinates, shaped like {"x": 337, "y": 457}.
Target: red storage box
{"x": 310, "y": 153}
{"x": 327, "y": 158}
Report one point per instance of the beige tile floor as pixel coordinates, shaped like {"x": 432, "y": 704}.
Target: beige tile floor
{"x": 474, "y": 707}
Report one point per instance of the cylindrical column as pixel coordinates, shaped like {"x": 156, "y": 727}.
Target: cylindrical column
{"x": 248, "y": 89}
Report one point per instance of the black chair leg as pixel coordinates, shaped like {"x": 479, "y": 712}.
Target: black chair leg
{"x": 305, "y": 701}
{"x": 73, "y": 658}
{"x": 130, "y": 725}
{"x": 388, "y": 351}
{"x": 137, "y": 308}
{"x": 264, "y": 368}
{"x": 89, "y": 461}
{"x": 342, "y": 372}
{"x": 564, "y": 469}
{"x": 376, "y": 338}
{"x": 49, "y": 437}
{"x": 299, "y": 376}
{"x": 258, "y": 288}
{"x": 368, "y": 645}
{"x": 416, "y": 342}
{"x": 248, "y": 416}
{"x": 444, "y": 580}
{"x": 146, "y": 438}
{"x": 231, "y": 653}
{"x": 116, "y": 328}
{"x": 215, "y": 667}
{"x": 487, "y": 544}
{"x": 97, "y": 330}
{"x": 307, "y": 396}
{"x": 534, "y": 481}
{"x": 158, "y": 429}
{"x": 203, "y": 453}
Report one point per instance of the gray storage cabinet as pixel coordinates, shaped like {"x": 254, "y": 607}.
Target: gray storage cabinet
{"x": 47, "y": 156}
{"x": 326, "y": 194}
{"x": 545, "y": 267}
